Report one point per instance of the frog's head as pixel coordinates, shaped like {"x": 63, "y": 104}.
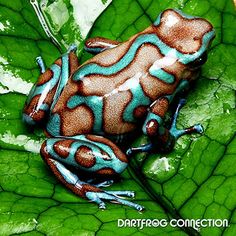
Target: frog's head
{"x": 186, "y": 37}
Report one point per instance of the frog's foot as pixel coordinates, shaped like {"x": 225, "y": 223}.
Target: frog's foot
{"x": 113, "y": 196}
{"x": 165, "y": 139}
{"x": 176, "y": 133}
{"x": 41, "y": 64}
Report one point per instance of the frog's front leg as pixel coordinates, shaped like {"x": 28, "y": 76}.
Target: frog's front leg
{"x": 162, "y": 138}
{"x": 49, "y": 86}
{"x": 99, "y": 44}
{"x": 89, "y": 153}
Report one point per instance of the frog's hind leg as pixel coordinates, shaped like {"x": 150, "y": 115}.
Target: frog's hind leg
{"x": 45, "y": 91}
{"x": 94, "y": 154}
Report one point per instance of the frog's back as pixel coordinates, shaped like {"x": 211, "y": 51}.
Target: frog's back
{"x": 111, "y": 91}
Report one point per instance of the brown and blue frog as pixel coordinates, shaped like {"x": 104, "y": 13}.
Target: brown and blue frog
{"x": 84, "y": 107}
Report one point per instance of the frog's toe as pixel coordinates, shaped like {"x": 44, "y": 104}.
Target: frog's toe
{"x": 72, "y": 48}
{"x": 102, "y": 205}
{"x": 104, "y": 184}
{"x": 140, "y": 208}
{"x": 41, "y": 64}
{"x": 143, "y": 148}
{"x": 131, "y": 194}
{"x": 198, "y": 128}
{"x": 176, "y": 133}
{"x": 129, "y": 152}
{"x": 122, "y": 193}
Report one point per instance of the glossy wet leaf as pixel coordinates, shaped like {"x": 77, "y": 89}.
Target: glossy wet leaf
{"x": 196, "y": 180}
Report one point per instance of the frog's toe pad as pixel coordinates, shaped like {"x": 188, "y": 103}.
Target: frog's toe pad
{"x": 131, "y": 194}
{"x": 140, "y": 208}
{"x": 102, "y": 205}
{"x": 199, "y": 128}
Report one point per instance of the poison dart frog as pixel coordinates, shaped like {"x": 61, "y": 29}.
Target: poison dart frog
{"x": 126, "y": 86}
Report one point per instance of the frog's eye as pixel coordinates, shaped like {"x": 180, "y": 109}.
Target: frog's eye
{"x": 199, "y": 61}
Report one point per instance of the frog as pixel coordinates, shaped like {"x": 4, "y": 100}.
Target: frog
{"x": 87, "y": 109}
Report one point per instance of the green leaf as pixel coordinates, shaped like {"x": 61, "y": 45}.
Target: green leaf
{"x": 196, "y": 180}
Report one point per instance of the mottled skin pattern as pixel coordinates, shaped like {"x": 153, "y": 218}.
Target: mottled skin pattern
{"x": 110, "y": 94}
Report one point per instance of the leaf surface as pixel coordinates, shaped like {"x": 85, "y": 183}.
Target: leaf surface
{"x": 196, "y": 180}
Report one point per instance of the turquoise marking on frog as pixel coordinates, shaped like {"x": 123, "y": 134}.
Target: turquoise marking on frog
{"x": 63, "y": 80}
{"x": 39, "y": 89}
{"x": 54, "y": 124}
{"x": 94, "y": 102}
{"x": 139, "y": 98}
{"x": 162, "y": 74}
{"x": 109, "y": 96}
{"x": 125, "y": 61}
